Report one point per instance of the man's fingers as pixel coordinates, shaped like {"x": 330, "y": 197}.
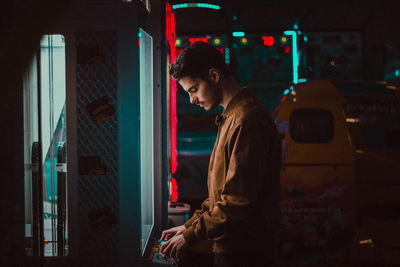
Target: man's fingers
{"x": 173, "y": 252}
{"x": 167, "y": 249}
{"x": 165, "y": 235}
{"x": 163, "y": 246}
{"x": 162, "y": 236}
{"x": 177, "y": 251}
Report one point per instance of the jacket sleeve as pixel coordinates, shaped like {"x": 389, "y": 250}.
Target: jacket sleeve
{"x": 204, "y": 207}
{"x": 246, "y": 151}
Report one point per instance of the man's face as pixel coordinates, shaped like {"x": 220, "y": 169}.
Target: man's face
{"x": 201, "y": 92}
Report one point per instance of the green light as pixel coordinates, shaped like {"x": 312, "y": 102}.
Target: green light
{"x": 283, "y": 40}
{"x": 178, "y": 42}
{"x": 202, "y": 5}
{"x": 243, "y": 40}
{"x": 217, "y": 41}
{"x": 295, "y": 55}
{"x": 237, "y": 34}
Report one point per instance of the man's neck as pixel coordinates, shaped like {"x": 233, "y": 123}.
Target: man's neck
{"x": 229, "y": 89}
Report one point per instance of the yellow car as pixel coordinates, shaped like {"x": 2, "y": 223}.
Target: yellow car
{"x": 332, "y": 133}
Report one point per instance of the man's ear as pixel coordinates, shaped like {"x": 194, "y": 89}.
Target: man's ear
{"x": 214, "y": 75}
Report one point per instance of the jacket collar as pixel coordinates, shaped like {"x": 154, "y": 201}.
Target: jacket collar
{"x": 244, "y": 93}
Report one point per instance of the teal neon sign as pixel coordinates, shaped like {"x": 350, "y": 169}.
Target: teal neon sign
{"x": 201, "y": 5}
{"x": 295, "y": 55}
{"x": 238, "y": 34}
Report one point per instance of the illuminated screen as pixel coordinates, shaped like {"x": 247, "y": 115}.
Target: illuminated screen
{"x": 146, "y": 136}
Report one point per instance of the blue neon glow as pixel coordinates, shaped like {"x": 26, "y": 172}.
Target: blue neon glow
{"x": 286, "y": 92}
{"x": 299, "y": 32}
{"x": 140, "y": 34}
{"x": 295, "y": 55}
{"x": 302, "y": 80}
{"x": 305, "y": 38}
{"x": 227, "y": 56}
{"x": 291, "y": 87}
{"x": 397, "y": 73}
{"x": 202, "y": 5}
{"x": 237, "y": 34}
{"x": 296, "y": 26}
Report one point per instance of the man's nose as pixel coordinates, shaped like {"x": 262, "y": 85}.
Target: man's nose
{"x": 193, "y": 99}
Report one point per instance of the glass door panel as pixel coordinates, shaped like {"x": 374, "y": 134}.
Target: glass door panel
{"x": 45, "y": 150}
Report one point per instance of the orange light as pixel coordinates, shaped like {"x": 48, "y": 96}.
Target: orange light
{"x": 217, "y": 41}
{"x": 244, "y": 40}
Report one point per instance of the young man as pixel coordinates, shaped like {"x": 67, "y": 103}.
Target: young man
{"x": 241, "y": 214}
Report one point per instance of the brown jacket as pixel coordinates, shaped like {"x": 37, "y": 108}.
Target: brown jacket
{"x": 242, "y": 211}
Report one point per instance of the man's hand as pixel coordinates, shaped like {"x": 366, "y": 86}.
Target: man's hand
{"x": 167, "y": 234}
{"x": 174, "y": 247}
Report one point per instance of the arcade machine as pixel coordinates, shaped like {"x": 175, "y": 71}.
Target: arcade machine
{"x": 94, "y": 146}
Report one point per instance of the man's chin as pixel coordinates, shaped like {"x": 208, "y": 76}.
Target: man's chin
{"x": 210, "y": 107}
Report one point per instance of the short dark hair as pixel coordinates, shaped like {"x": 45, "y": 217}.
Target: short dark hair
{"x": 196, "y": 60}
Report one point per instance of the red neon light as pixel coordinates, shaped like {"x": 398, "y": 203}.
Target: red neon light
{"x": 170, "y": 24}
{"x": 171, "y": 37}
{"x": 268, "y": 40}
{"x": 287, "y": 49}
{"x": 193, "y": 40}
{"x": 221, "y": 49}
{"x": 178, "y": 51}
{"x": 174, "y": 190}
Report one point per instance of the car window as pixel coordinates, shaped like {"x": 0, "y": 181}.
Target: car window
{"x": 311, "y": 126}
